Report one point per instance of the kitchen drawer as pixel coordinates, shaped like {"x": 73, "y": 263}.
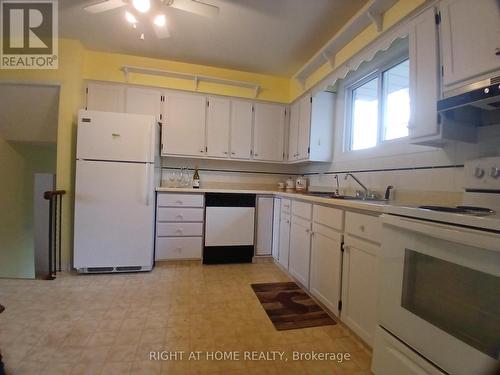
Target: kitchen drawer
{"x": 178, "y": 248}
{"x": 302, "y": 209}
{"x": 179, "y": 214}
{"x": 363, "y": 226}
{"x": 180, "y": 200}
{"x": 286, "y": 206}
{"x": 296, "y": 220}
{"x": 327, "y": 232}
{"x": 331, "y": 217}
{"x": 179, "y": 229}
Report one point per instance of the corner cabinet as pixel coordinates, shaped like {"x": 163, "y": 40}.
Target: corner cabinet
{"x": 311, "y": 128}
{"x": 183, "y": 130}
{"x": 268, "y": 132}
{"x": 470, "y": 40}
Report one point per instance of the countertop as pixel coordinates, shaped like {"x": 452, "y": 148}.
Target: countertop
{"x": 376, "y": 207}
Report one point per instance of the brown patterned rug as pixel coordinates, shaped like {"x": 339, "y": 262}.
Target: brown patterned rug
{"x": 289, "y": 307}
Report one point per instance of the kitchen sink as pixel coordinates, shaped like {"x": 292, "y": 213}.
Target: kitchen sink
{"x": 345, "y": 197}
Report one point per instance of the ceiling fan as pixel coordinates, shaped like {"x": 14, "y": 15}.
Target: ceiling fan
{"x": 139, "y": 8}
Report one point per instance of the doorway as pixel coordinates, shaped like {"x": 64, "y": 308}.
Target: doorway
{"x": 28, "y": 154}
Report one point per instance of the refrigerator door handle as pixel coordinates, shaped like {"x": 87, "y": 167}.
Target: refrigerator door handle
{"x": 151, "y": 145}
{"x": 148, "y": 183}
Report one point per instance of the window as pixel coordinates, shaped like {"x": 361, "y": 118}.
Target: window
{"x": 379, "y": 107}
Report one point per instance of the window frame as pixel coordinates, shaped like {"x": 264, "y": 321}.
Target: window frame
{"x": 378, "y": 73}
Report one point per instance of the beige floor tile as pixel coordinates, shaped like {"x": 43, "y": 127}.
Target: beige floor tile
{"x": 116, "y": 368}
{"x": 121, "y": 353}
{"x": 146, "y": 368}
{"x": 109, "y": 324}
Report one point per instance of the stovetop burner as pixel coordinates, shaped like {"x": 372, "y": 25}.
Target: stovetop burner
{"x": 465, "y": 210}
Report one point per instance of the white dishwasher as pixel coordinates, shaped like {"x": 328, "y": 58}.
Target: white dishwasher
{"x": 229, "y": 228}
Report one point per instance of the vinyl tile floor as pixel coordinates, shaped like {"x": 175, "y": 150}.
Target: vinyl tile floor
{"x": 111, "y": 324}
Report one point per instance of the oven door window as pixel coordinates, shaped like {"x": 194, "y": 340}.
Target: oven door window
{"x": 461, "y": 301}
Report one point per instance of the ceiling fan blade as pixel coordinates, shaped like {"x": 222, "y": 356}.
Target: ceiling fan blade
{"x": 161, "y": 32}
{"x": 196, "y": 7}
{"x": 104, "y": 6}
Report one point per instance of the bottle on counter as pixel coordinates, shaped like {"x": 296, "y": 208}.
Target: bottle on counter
{"x": 196, "y": 178}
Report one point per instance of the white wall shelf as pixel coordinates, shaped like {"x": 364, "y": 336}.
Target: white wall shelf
{"x": 372, "y": 12}
{"x": 196, "y": 78}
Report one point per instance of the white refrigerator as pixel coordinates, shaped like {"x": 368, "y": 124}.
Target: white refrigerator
{"x": 117, "y": 170}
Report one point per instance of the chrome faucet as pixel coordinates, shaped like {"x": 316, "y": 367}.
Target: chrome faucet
{"x": 359, "y": 182}
{"x": 337, "y": 190}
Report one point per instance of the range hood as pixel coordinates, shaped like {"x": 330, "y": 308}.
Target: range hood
{"x": 477, "y": 104}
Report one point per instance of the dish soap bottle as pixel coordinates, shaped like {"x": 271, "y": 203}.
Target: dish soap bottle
{"x": 196, "y": 178}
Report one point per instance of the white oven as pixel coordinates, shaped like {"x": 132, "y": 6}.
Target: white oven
{"x": 440, "y": 295}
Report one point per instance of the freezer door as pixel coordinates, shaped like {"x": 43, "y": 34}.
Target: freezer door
{"x": 116, "y": 136}
{"x": 114, "y": 214}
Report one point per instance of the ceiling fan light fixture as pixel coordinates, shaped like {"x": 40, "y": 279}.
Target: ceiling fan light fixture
{"x": 130, "y": 18}
{"x": 141, "y": 5}
{"x": 160, "y": 20}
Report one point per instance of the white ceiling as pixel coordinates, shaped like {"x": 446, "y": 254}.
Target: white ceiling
{"x": 264, "y": 36}
{"x": 29, "y": 113}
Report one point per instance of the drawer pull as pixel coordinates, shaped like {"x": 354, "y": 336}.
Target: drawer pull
{"x": 178, "y": 249}
{"x": 178, "y": 201}
{"x": 180, "y": 216}
{"x": 179, "y": 231}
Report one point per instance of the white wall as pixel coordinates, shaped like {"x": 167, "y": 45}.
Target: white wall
{"x": 231, "y": 174}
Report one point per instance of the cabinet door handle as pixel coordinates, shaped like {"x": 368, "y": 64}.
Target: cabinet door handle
{"x": 362, "y": 228}
{"x": 233, "y": 153}
{"x": 308, "y": 230}
{"x": 225, "y": 152}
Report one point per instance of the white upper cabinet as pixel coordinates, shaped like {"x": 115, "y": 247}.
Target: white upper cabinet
{"x": 293, "y": 135}
{"x": 470, "y": 40}
{"x": 105, "y": 97}
{"x": 269, "y": 132}
{"x": 241, "y": 129}
{"x": 424, "y": 75}
{"x": 143, "y": 101}
{"x": 183, "y": 130}
{"x": 304, "y": 127}
{"x": 312, "y": 127}
{"x": 218, "y": 112}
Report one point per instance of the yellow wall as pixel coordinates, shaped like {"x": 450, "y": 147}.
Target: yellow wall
{"x": 106, "y": 67}
{"x": 400, "y": 10}
{"x": 77, "y": 64}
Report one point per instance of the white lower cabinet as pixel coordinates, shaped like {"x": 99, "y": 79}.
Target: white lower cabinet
{"x": 284, "y": 237}
{"x": 178, "y": 248}
{"x": 392, "y": 357}
{"x": 265, "y": 216}
{"x": 359, "y": 286}
{"x": 300, "y": 249}
{"x": 326, "y": 263}
{"x": 276, "y": 228}
{"x": 179, "y": 229}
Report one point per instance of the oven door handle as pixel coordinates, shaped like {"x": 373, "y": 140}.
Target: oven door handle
{"x": 467, "y": 236}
